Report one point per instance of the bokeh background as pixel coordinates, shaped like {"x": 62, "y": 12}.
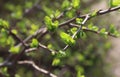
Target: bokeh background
{"x": 93, "y": 56}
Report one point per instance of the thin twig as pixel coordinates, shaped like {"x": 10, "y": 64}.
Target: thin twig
{"x": 80, "y": 27}
{"x": 37, "y": 68}
{"x": 44, "y": 30}
{"x": 88, "y": 30}
{"x": 42, "y": 46}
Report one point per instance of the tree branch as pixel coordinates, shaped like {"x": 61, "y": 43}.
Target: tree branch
{"x": 37, "y": 68}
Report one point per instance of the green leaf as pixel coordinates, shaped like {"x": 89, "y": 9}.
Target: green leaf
{"x": 14, "y": 31}
{"x": 56, "y": 62}
{"x": 65, "y": 4}
{"x": 73, "y": 30}
{"x": 92, "y": 27}
{"x": 103, "y": 32}
{"x": 112, "y": 29}
{"x": 76, "y": 4}
{"x": 57, "y": 13}
{"x": 34, "y": 43}
{"x": 60, "y": 54}
{"x": 4, "y": 71}
{"x": 79, "y": 20}
{"x": 67, "y": 38}
{"x": 10, "y": 41}
{"x": 70, "y": 13}
{"x": 82, "y": 35}
{"x": 114, "y": 3}
{"x": 4, "y": 24}
{"x": 94, "y": 13}
{"x": 51, "y": 25}
{"x": 15, "y": 49}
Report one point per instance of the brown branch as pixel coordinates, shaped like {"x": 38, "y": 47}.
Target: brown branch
{"x": 17, "y": 38}
{"x": 42, "y": 46}
{"x": 79, "y": 28}
{"x": 98, "y": 32}
{"x": 44, "y": 30}
{"x": 37, "y": 68}
{"x": 88, "y": 30}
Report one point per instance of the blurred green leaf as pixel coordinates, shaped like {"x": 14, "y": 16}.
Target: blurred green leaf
{"x": 67, "y": 38}
{"x": 76, "y": 4}
{"x": 103, "y": 32}
{"x": 34, "y": 43}
{"x": 79, "y": 20}
{"x": 70, "y": 13}
{"x": 65, "y": 4}
{"x": 4, "y": 71}
{"x": 57, "y": 13}
{"x": 4, "y": 24}
{"x": 14, "y": 31}
{"x": 61, "y": 54}
{"x": 94, "y": 13}
{"x": 51, "y": 25}
{"x": 14, "y": 49}
{"x": 56, "y": 62}
{"x": 114, "y": 3}
{"x": 81, "y": 34}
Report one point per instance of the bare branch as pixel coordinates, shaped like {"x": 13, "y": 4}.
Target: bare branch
{"x": 42, "y": 46}
{"x": 37, "y": 68}
{"x": 88, "y": 30}
{"x": 80, "y": 27}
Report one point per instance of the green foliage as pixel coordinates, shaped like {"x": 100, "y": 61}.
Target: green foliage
{"x": 34, "y": 43}
{"x": 51, "y": 25}
{"x": 94, "y": 13}
{"x": 15, "y": 49}
{"x": 82, "y": 35}
{"x": 114, "y": 3}
{"x": 92, "y": 27}
{"x": 4, "y": 71}
{"x": 65, "y": 4}
{"x": 67, "y": 39}
{"x": 113, "y": 30}
{"x": 14, "y": 31}
{"x": 56, "y": 62}
{"x": 4, "y": 24}
{"x": 103, "y": 32}
{"x": 26, "y": 22}
{"x": 79, "y": 20}
{"x": 76, "y": 4}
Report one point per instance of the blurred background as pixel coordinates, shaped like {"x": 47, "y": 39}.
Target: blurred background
{"x": 91, "y": 56}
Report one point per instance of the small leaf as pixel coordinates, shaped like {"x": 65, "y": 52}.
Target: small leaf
{"x": 65, "y": 4}
{"x": 56, "y": 62}
{"x": 4, "y": 24}
{"x": 34, "y": 43}
{"x": 14, "y": 31}
{"x": 67, "y": 38}
{"x": 76, "y": 3}
{"x": 73, "y": 30}
{"x": 82, "y": 35}
{"x": 70, "y": 13}
{"x": 51, "y": 25}
{"x": 112, "y": 29}
{"x": 79, "y": 20}
{"x": 57, "y": 13}
{"x": 114, "y": 3}
{"x": 103, "y": 32}
{"x": 94, "y": 13}
{"x": 60, "y": 54}
{"x": 15, "y": 49}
